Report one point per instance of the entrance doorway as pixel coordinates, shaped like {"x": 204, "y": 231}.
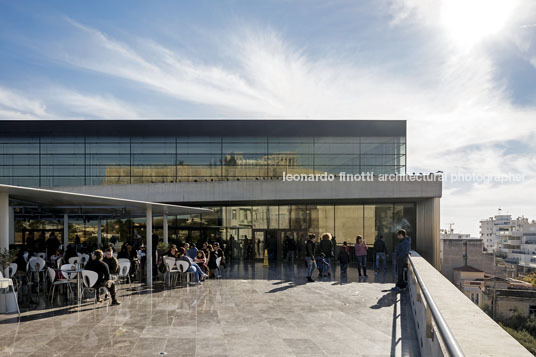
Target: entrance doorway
{"x": 273, "y": 241}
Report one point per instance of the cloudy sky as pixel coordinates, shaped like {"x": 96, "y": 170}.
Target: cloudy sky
{"x": 461, "y": 72}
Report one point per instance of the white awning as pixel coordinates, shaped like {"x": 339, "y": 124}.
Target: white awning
{"x": 60, "y": 202}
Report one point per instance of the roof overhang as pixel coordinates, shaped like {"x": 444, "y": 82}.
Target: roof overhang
{"x": 61, "y": 202}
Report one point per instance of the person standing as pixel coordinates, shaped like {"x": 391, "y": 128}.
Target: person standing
{"x": 291, "y": 253}
{"x": 310, "y": 256}
{"x": 401, "y": 256}
{"x": 380, "y": 249}
{"x": 52, "y": 244}
{"x": 326, "y": 246}
{"x": 361, "y": 254}
{"x": 344, "y": 259}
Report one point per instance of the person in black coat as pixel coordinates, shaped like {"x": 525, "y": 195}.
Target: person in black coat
{"x": 344, "y": 260}
{"x": 104, "y": 280}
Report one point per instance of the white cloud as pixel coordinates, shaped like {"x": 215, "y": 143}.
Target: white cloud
{"x": 61, "y": 103}
{"x": 15, "y": 105}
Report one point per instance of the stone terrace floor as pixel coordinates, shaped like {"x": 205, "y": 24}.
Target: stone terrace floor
{"x": 252, "y": 311}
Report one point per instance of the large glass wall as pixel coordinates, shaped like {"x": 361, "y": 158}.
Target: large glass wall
{"x": 247, "y": 230}
{"x": 77, "y": 161}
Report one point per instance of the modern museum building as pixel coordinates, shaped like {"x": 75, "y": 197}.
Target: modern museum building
{"x": 263, "y": 180}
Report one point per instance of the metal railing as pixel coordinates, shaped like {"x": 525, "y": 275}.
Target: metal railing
{"x": 446, "y": 335}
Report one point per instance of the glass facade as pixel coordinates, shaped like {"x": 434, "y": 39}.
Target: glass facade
{"x": 85, "y": 160}
{"x": 247, "y": 230}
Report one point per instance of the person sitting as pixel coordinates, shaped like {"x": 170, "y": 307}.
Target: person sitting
{"x": 192, "y": 267}
{"x": 69, "y": 253}
{"x": 54, "y": 257}
{"x": 172, "y": 252}
{"x": 201, "y": 261}
{"x": 104, "y": 280}
{"x": 191, "y": 251}
{"x": 125, "y": 252}
{"x": 324, "y": 267}
{"x": 111, "y": 261}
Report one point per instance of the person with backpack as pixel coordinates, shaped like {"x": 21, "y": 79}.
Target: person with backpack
{"x": 401, "y": 255}
{"x": 344, "y": 259}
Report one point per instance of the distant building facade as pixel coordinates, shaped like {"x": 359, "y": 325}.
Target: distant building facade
{"x": 512, "y": 240}
{"x": 458, "y": 249}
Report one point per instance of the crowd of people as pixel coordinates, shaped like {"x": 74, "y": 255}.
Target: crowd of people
{"x": 205, "y": 262}
{"x": 319, "y": 255}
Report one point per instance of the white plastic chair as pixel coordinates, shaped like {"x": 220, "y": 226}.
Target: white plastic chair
{"x": 54, "y": 281}
{"x": 120, "y": 260}
{"x": 84, "y": 258}
{"x": 218, "y": 262}
{"x": 183, "y": 267}
{"x": 59, "y": 262}
{"x": 6, "y": 283}
{"x": 90, "y": 279}
{"x": 74, "y": 260}
{"x": 26, "y": 255}
{"x": 171, "y": 270}
{"x": 124, "y": 269}
{"x": 10, "y": 270}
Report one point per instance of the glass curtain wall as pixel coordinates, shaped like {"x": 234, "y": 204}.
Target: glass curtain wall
{"x": 78, "y": 161}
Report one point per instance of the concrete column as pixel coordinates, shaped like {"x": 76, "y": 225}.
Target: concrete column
{"x": 11, "y": 225}
{"x": 149, "y": 245}
{"x": 165, "y": 225}
{"x": 4, "y": 220}
{"x": 99, "y": 234}
{"x": 65, "y": 231}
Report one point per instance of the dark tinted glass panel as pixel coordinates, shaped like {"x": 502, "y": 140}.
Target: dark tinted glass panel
{"x": 62, "y": 181}
{"x": 153, "y": 139}
{"x": 19, "y": 170}
{"x": 103, "y": 159}
{"x": 108, "y": 148}
{"x": 291, "y": 147}
{"x": 19, "y": 148}
{"x": 153, "y": 148}
{"x": 259, "y": 148}
{"x": 62, "y": 170}
{"x": 338, "y": 168}
{"x": 343, "y": 160}
{"x": 20, "y": 181}
{"x": 199, "y": 148}
{"x": 62, "y": 159}
{"x": 140, "y": 159}
{"x": 19, "y": 159}
{"x": 64, "y": 148}
{"x": 107, "y": 139}
{"x": 336, "y": 148}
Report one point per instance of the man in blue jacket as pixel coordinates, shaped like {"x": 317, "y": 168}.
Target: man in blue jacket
{"x": 401, "y": 256}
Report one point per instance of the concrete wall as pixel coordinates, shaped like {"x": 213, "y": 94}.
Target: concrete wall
{"x": 267, "y": 191}
{"x": 476, "y": 333}
{"x": 453, "y": 251}
{"x": 428, "y": 230}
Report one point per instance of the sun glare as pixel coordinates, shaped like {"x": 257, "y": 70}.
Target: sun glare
{"x": 470, "y": 21}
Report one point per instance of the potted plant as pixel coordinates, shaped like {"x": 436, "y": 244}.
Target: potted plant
{"x": 162, "y": 248}
{"x": 7, "y": 256}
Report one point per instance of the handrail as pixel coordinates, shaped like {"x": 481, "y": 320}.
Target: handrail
{"x": 446, "y": 335}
